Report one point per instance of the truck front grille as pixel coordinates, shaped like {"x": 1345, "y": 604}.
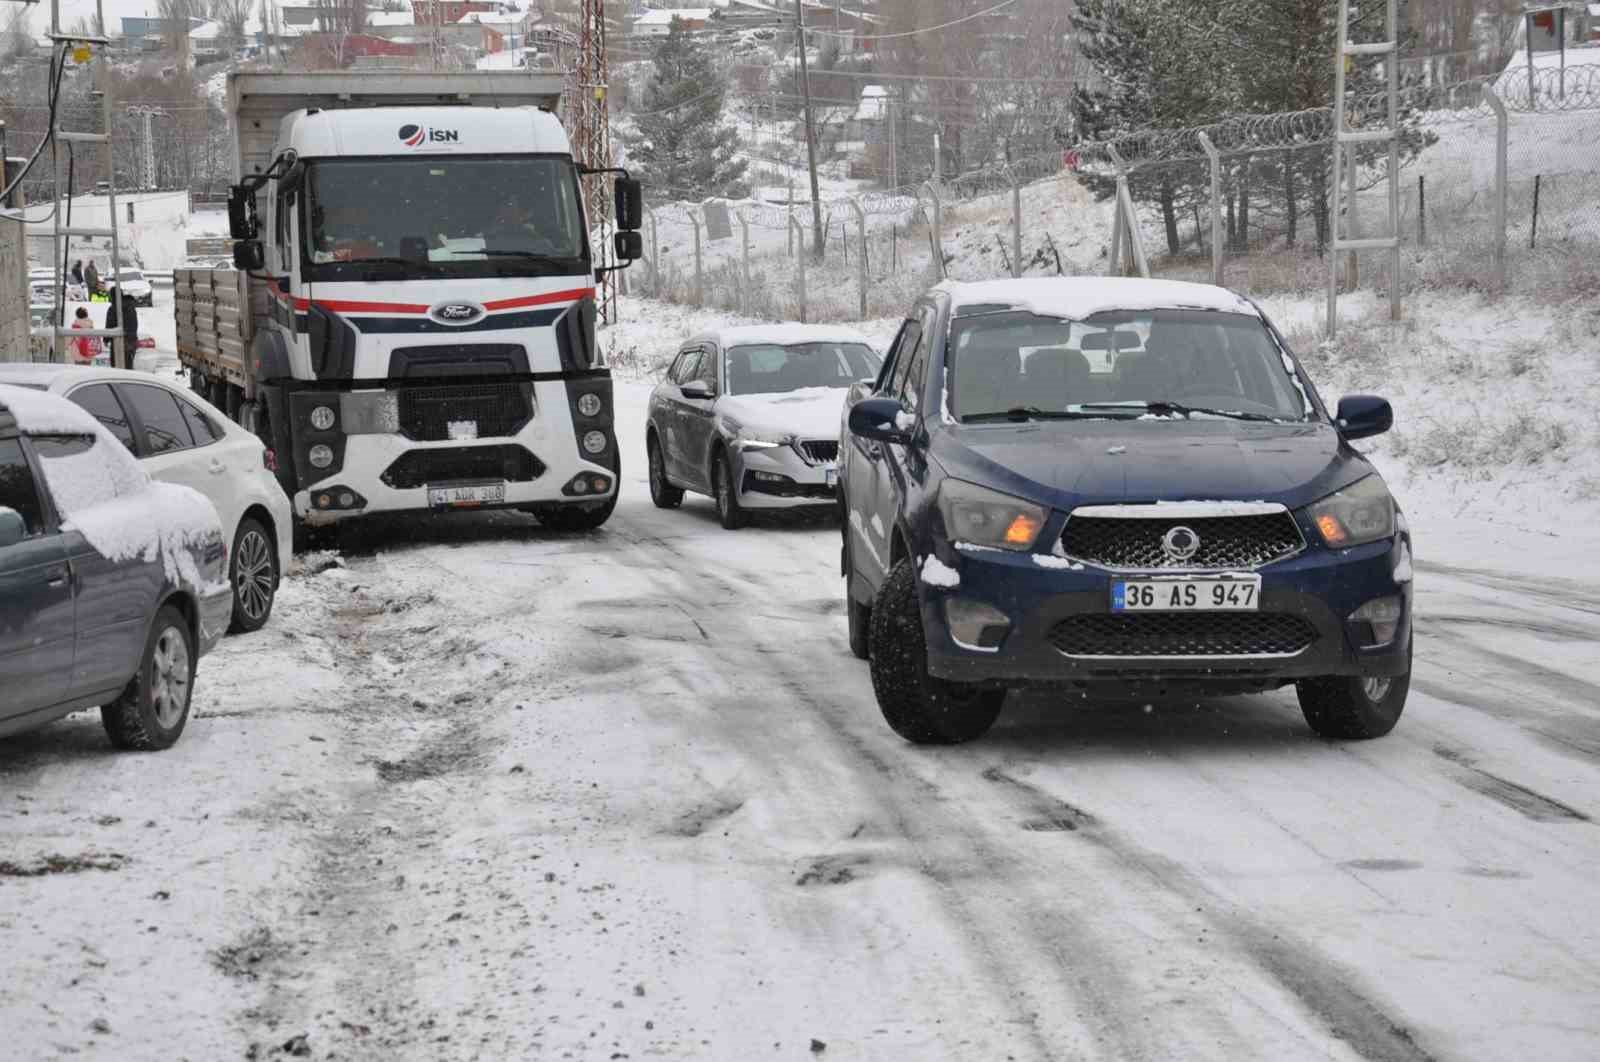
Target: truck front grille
{"x": 491, "y": 410}
{"x": 419, "y": 468}
{"x": 1169, "y": 634}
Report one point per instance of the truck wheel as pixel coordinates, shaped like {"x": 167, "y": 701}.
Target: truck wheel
{"x": 857, "y": 615}
{"x": 197, "y": 382}
{"x": 919, "y": 707}
{"x": 729, "y": 511}
{"x": 1352, "y": 708}
{"x": 152, "y": 711}
{"x": 254, "y": 574}
{"x": 233, "y": 395}
{"x": 663, "y": 493}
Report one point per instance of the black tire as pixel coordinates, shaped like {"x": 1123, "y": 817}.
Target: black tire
{"x": 919, "y": 707}
{"x": 217, "y": 394}
{"x": 729, "y": 511}
{"x": 1350, "y": 708}
{"x": 664, "y": 494}
{"x": 253, "y": 570}
{"x": 857, "y": 615}
{"x": 197, "y": 382}
{"x": 151, "y": 712}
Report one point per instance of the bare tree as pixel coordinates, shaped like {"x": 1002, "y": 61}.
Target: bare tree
{"x": 233, "y": 16}
{"x": 16, "y": 40}
{"x": 176, "y": 24}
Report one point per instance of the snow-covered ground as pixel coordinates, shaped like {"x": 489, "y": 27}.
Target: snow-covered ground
{"x": 483, "y": 791}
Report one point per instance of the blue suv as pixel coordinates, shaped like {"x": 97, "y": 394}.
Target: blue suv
{"x": 1116, "y": 488}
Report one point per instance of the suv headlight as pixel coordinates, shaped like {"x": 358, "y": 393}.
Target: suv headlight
{"x": 1362, "y": 512}
{"x": 986, "y": 517}
{"x": 744, "y": 438}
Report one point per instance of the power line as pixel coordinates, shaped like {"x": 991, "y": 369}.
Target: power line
{"x": 913, "y": 33}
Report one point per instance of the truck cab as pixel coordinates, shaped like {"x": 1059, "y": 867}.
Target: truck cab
{"x": 422, "y": 295}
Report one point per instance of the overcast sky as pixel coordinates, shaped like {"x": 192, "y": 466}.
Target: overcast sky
{"x": 72, "y": 10}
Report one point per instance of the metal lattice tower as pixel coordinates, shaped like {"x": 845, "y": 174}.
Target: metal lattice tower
{"x": 591, "y": 132}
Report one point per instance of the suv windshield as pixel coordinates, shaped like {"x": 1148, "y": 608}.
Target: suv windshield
{"x": 1190, "y": 363}
{"x": 516, "y": 215}
{"x": 768, "y": 368}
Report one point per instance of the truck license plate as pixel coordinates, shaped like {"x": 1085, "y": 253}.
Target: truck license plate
{"x": 466, "y": 495}
{"x": 1240, "y": 593}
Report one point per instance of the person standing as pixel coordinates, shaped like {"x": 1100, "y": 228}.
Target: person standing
{"x": 85, "y": 348}
{"x": 124, "y": 312}
{"x": 77, "y": 271}
{"x": 91, "y": 279}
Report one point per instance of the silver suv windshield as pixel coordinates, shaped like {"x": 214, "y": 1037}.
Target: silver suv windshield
{"x": 1186, "y": 363}
{"x": 770, "y": 368}
{"x": 452, "y": 216}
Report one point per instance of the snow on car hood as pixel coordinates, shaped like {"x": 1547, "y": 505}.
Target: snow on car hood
{"x": 810, "y": 413}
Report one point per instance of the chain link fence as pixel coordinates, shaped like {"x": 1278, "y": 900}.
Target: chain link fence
{"x": 1269, "y": 212}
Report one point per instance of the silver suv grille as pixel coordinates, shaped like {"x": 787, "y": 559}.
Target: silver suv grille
{"x": 1241, "y": 542}
{"x": 820, "y": 451}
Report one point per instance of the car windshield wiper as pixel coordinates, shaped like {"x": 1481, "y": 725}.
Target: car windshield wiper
{"x": 1164, "y": 407}
{"x": 1021, "y": 413}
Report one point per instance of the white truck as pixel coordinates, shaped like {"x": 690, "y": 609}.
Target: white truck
{"x": 410, "y": 323}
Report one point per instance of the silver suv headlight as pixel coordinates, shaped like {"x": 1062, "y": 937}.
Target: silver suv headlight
{"x": 1362, "y": 512}
{"x": 744, "y": 438}
{"x": 986, "y": 517}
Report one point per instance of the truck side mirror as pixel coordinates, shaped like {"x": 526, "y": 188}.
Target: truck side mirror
{"x": 629, "y": 246}
{"x": 249, "y": 256}
{"x": 629, "y": 195}
{"x": 242, "y": 223}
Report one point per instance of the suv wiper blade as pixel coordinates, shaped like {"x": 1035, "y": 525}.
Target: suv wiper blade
{"x": 1021, "y": 413}
{"x": 1180, "y": 409}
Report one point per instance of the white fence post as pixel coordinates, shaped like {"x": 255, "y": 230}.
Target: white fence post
{"x": 1498, "y": 106}
{"x": 655, "y": 254}
{"x": 937, "y": 219}
{"x": 798, "y": 230}
{"x": 1216, "y": 207}
{"x": 861, "y": 250}
{"x": 1016, "y": 220}
{"x": 699, "y": 284}
{"x": 1129, "y": 218}
{"x": 744, "y": 258}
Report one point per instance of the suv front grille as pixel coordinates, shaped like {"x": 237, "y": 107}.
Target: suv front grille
{"x": 820, "y": 451}
{"x": 419, "y": 468}
{"x": 1183, "y": 634}
{"x": 426, "y": 413}
{"x": 1226, "y": 542}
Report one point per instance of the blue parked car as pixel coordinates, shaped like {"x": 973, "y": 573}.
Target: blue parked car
{"x": 1116, "y": 487}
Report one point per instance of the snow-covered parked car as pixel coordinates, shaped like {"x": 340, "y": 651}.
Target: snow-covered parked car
{"x": 112, "y": 586}
{"x": 750, "y": 416}
{"x": 179, "y": 437}
{"x": 42, "y": 287}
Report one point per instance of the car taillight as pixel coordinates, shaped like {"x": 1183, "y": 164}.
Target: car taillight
{"x": 269, "y": 458}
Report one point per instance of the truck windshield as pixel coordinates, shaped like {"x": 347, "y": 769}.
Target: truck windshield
{"x": 459, "y": 216}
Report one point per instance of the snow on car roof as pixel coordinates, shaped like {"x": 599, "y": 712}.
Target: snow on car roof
{"x": 781, "y": 335}
{"x": 38, "y": 413}
{"x": 1079, "y": 297}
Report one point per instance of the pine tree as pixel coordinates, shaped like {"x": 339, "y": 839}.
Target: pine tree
{"x": 682, "y": 148}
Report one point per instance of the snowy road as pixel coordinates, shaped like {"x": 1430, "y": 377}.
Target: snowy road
{"x": 484, "y": 792}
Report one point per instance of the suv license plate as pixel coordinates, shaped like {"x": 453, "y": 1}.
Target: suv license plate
{"x": 466, "y": 495}
{"x": 1202, "y": 594}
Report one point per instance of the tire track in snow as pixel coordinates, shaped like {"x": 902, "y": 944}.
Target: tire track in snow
{"x": 1519, "y": 798}
{"x": 1324, "y": 990}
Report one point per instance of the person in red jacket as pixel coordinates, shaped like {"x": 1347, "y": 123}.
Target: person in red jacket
{"x": 84, "y": 348}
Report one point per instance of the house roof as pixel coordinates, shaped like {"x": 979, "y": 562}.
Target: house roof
{"x": 664, "y": 16}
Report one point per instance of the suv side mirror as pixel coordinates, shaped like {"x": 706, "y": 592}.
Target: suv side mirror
{"x": 242, "y": 221}
{"x": 1361, "y": 416}
{"x": 879, "y": 419}
{"x": 629, "y": 196}
{"x": 249, "y": 256}
{"x": 697, "y": 389}
{"x": 12, "y": 529}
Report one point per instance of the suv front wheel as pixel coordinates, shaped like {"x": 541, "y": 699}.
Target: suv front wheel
{"x": 1350, "y": 707}
{"x": 919, "y": 707}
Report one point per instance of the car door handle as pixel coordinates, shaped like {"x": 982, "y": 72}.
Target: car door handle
{"x": 56, "y": 578}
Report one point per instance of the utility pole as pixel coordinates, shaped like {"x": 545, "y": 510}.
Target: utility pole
{"x": 811, "y": 136}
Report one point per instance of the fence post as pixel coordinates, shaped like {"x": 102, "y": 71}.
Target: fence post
{"x": 790, "y": 232}
{"x": 1016, "y": 221}
{"x": 1129, "y": 227}
{"x": 861, "y": 256}
{"x": 744, "y": 257}
{"x": 800, "y": 262}
{"x": 1352, "y": 265}
{"x": 1215, "y": 159}
{"x": 1533, "y": 229}
{"x": 655, "y": 255}
{"x": 938, "y": 234}
{"x": 699, "y": 289}
{"x": 1422, "y": 210}
{"x": 1501, "y": 132}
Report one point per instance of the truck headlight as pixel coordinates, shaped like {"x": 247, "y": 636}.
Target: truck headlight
{"x": 986, "y": 517}
{"x": 1362, "y": 512}
{"x": 589, "y": 404}
{"x": 594, "y": 442}
{"x": 320, "y": 456}
{"x": 322, "y": 418}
